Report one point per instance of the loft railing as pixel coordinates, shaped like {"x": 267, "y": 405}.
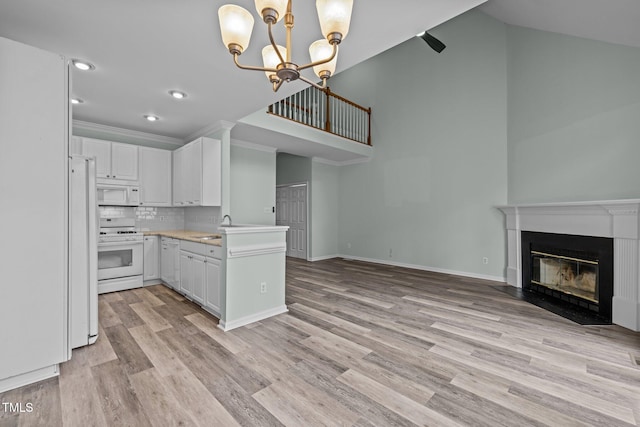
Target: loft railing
{"x": 325, "y": 110}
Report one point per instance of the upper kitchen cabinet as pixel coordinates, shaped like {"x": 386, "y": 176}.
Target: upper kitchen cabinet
{"x": 113, "y": 159}
{"x": 155, "y": 176}
{"x": 197, "y": 176}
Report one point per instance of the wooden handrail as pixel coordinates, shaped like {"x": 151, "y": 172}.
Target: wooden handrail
{"x": 348, "y": 119}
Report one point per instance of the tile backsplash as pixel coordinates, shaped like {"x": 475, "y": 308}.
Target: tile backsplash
{"x": 147, "y": 218}
{"x": 198, "y": 218}
{"x": 159, "y": 218}
{"x": 202, "y": 218}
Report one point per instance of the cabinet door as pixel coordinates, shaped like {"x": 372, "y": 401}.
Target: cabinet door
{"x": 178, "y": 179}
{"x": 212, "y": 285}
{"x": 124, "y": 161}
{"x": 211, "y": 172}
{"x": 155, "y": 176}
{"x": 197, "y": 275}
{"x": 166, "y": 264}
{"x": 186, "y": 276}
{"x": 150, "y": 266}
{"x": 192, "y": 172}
{"x": 101, "y": 150}
{"x": 175, "y": 253}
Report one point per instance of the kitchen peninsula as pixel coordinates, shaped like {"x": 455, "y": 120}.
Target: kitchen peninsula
{"x": 237, "y": 273}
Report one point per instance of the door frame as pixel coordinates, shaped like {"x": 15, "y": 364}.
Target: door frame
{"x": 307, "y": 216}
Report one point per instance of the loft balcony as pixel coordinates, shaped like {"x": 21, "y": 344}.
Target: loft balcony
{"x": 327, "y": 111}
{"x": 312, "y": 123}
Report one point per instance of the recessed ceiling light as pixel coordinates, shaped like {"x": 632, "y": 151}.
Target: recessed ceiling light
{"x": 177, "y": 94}
{"x": 76, "y": 101}
{"x": 151, "y": 117}
{"x": 82, "y": 65}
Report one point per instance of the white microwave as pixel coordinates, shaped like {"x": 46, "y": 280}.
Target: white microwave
{"x": 118, "y": 195}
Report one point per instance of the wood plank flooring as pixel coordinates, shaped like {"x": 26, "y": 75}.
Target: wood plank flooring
{"x": 362, "y": 345}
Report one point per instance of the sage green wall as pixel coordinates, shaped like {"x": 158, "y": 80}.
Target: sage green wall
{"x": 253, "y": 186}
{"x": 324, "y": 209}
{"x": 428, "y": 196}
{"x": 322, "y": 194}
{"x": 292, "y": 169}
{"x": 574, "y": 109}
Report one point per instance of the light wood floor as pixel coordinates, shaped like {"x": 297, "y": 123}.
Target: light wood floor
{"x": 362, "y": 345}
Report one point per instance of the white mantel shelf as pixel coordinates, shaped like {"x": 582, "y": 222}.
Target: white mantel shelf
{"x": 616, "y": 219}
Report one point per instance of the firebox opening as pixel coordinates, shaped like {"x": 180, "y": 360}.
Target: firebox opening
{"x": 574, "y": 273}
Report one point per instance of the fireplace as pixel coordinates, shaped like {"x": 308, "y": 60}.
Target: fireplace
{"x": 574, "y": 272}
{"x": 617, "y": 220}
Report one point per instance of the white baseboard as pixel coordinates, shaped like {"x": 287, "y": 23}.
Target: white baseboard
{"x": 324, "y": 257}
{"x": 227, "y": 326}
{"x": 426, "y": 268}
{"x": 153, "y": 282}
{"x": 29, "y": 378}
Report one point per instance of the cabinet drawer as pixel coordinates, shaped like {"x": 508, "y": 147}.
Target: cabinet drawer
{"x": 213, "y": 251}
{"x": 196, "y": 248}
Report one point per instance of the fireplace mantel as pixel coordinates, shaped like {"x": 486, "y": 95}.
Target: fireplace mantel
{"x": 617, "y": 219}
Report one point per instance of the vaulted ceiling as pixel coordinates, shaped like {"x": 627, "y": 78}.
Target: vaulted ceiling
{"x": 142, "y": 49}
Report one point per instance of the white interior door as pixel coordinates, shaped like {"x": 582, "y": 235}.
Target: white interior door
{"x": 291, "y": 210}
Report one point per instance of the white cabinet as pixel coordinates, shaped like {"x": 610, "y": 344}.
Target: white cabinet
{"x": 198, "y": 276}
{"x": 124, "y": 161}
{"x": 151, "y": 258}
{"x": 186, "y": 286}
{"x": 192, "y": 276}
{"x": 197, "y": 267}
{"x": 113, "y": 159}
{"x": 197, "y": 173}
{"x": 170, "y": 262}
{"x": 155, "y": 176}
{"x": 178, "y": 188}
{"x": 192, "y": 173}
{"x": 212, "y": 285}
{"x": 101, "y": 150}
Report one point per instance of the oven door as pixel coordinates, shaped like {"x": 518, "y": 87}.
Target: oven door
{"x": 120, "y": 259}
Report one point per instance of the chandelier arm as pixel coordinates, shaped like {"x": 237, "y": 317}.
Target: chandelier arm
{"x": 251, "y": 67}
{"x": 276, "y": 85}
{"x": 273, "y": 43}
{"x": 314, "y": 84}
{"x": 322, "y": 61}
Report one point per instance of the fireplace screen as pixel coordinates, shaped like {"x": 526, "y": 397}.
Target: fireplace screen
{"x": 574, "y": 276}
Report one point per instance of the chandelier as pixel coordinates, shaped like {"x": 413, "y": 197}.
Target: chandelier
{"x": 236, "y": 25}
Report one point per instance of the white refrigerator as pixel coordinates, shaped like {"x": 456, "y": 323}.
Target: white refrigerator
{"x": 83, "y": 252}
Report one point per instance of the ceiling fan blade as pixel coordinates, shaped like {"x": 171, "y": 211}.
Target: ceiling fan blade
{"x": 435, "y": 44}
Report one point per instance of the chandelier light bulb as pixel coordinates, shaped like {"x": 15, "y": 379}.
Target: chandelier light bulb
{"x": 335, "y": 17}
{"x": 271, "y": 59}
{"x": 280, "y": 6}
{"x": 320, "y": 50}
{"x": 236, "y": 25}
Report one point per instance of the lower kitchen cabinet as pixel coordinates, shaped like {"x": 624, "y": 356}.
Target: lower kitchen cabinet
{"x": 197, "y": 269}
{"x": 192, "y": 276}
{"x": 170, "y": 262}
{"x": 212, "y": 285}
{"x": 151, "y": 258}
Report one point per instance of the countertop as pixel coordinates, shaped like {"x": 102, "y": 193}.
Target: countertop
{"x": 192, "y": 236}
